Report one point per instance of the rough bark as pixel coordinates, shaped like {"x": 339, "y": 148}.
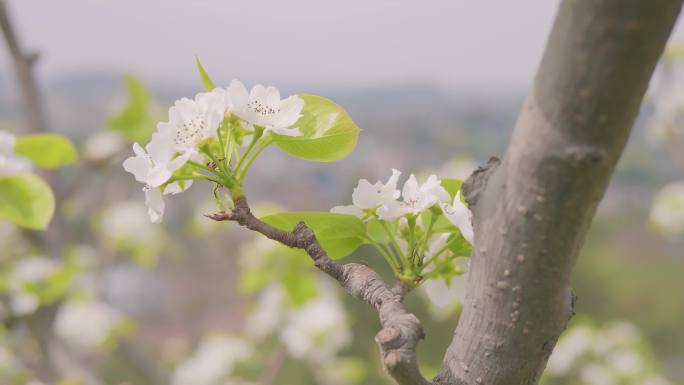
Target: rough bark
{"x": 531, "y": 211}
{"x": 401, "y": 330}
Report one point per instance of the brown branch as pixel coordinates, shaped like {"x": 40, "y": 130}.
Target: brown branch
{"x": 23, "y": 64}
{"x": 531, "y": 213}
{"x": 400, "y": 331}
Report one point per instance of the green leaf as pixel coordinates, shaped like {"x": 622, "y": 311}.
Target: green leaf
{"x": 48, "y": 151}
{"x": 133, "y": 121}
{"x": 328, "y": 133}
{"x": 300, "y": 288}
{"x": 458, "y": 245}
{"x": 452, "y": 186}
{"x": 377, "y": 233}
{"x": 26, "y": 201}
{"x": 206, "y": 80}
{"x": 338, "y": 234}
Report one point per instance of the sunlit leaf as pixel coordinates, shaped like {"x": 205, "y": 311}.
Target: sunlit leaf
{"x": 338, "y": 234}
{"x": 133, "y": 121}
{"x": 26, "y": 201}
{"x": 48, "y": 151}
{"x": 328, "y": 132}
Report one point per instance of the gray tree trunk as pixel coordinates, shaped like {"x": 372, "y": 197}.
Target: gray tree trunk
{"x": 531, "y": 211}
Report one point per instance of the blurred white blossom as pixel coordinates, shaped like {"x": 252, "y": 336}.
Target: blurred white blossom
{"x": 317, "y": 330}
{"x": 87, "y": 324}
{"x": 213, "y": 361}
{"x": 667, "y": 212}
{"x": 128, "y": 221}
{"x": 27, "y": 271}
{"x": 103, "y": 145}
{"x": 610, "y": 355}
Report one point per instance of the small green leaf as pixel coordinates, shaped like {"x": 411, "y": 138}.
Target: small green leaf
{"x": 206, "y": 80}
{"x": 338, "y": 234}
{"x": 299, "y": 288}
{"x": 377, "y": 233}
{"x": 452, "y": 186}
{"x": 48, "y": 151}
{"x": 133, "y": 121}
{"x": 458, "y": 245}
{"x": 26, "y": 201}
{"x": 328, "y": 133}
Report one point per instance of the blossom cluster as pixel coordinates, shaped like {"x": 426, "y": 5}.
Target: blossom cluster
{"x": 193, "y": 123}
{"x": 381, "y": 201}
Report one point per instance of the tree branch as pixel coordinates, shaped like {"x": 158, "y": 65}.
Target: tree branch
{"x": 23, "y": 64}
{"x": 401, "y": 330}
{"x": 531, "y": 213}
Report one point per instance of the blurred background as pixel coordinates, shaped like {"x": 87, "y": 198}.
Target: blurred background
{"x": 105, "y": 297}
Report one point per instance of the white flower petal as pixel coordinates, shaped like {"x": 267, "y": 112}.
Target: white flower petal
{"x": 138, "y": 165}
{"x": 176, "y": 187}
{"x": 459, "y": 215}
{"x": 365, "y": 195}
{"x": 389, "y": 191}
{"x": 290, "y": 110}
{"x": 154, "y": 200}
{"x": 411, "y": 189}
{"x": 391, "y": 211}
{"x": 239, "y": 97}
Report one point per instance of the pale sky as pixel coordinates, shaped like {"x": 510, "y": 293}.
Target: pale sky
{"x": 449, "y": 43}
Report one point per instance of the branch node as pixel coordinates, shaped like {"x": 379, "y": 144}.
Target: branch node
{"x": 476, "y": 183}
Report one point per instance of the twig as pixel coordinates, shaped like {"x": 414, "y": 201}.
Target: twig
{"x": 400, "y": 331}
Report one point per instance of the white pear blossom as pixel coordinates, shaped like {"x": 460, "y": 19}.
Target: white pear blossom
{"x": 367, "y": 196}
{"x": 10, "y": 163}
{"x": 155, "y": 167}
{"x": 415, "y": 198}
{"x": 263, "y": 107}
{"x": 86, "y": 325}
{"x": 460, "y": 216}
{"x": 27, "y": 271}
{"x": 213, "y": 361}
{"x": 192, "y": 121}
